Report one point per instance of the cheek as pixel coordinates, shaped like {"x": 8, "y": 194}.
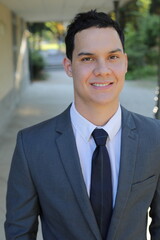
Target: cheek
{"x": 82, "y": 73}
{"x": 119, "y": 70}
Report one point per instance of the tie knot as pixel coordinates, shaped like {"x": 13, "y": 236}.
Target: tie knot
{"x": 100, "y": 136}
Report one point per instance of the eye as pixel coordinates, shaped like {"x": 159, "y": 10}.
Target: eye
{"x": 113, "y": 57}
{"x": 87, "y": 59}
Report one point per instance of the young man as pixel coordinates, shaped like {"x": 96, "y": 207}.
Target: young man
{"x": 82, "y": 186}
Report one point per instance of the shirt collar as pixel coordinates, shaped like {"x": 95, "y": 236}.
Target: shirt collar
{"x": 114, "y": 124}
{"x": 85, "y": 128}
{"x": 81, "y": 124}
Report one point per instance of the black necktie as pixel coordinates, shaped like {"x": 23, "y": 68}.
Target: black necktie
{"x": 101, "y": 183}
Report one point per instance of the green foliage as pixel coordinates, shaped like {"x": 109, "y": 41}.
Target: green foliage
{"x": 148, "y": 71}
{"x": 37, "y": 27}
{"x": 36, "y": 63}
{"x": 47, "y": 31}
{"x": 57, "y": 29}
{"x": 142, "y": 31}
{"x": 155, "y": 7}
{"x": 152, "y": 29}
{"x": 135, "y": 48}
{"x": 143, "y": 6}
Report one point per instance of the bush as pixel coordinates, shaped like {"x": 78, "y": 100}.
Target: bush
{"x": 144, "y": 72}
{"x": 36, "y": 63}
{"x": 142, "y": 46}
{"x": 135, "y": 47}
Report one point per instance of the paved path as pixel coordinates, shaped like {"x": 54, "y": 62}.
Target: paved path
{"x": 45, "y": 99}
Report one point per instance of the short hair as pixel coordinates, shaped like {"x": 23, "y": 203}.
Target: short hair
{"x": 87, "y": 20}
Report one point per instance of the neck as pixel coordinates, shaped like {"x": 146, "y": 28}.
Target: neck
{"x": 99, "y": 115}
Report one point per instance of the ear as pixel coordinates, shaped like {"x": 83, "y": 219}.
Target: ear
{"x": 67, "y": 66}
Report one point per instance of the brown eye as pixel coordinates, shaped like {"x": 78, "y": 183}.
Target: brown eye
{"x": 113, "y": 57}
{"x": 87, "y": 59}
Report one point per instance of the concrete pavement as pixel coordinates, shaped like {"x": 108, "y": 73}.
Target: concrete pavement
{"x": 45, "y": 99}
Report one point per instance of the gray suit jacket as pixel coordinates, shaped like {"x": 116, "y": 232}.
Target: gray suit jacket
{"x": 46, "y": 179}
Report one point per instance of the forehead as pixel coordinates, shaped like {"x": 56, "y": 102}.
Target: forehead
{"x": 94, "y": 38}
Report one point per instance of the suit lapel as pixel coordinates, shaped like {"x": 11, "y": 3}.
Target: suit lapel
{"x": 69, "y": 156}
{"x": 70, "y": 160}
{"x": 127, "y": 166}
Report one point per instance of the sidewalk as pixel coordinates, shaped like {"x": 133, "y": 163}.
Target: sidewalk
{"x": 45, "y": 99}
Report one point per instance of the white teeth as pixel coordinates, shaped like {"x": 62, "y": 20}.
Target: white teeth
{"x": 100, "y": 84}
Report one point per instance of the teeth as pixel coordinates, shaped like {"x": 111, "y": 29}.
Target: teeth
{"x": 100, "y": 84}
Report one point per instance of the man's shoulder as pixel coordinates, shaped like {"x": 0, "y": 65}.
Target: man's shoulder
{"x": 48, "y": 126}
{"x": 145, "y": 121}
{"x": 143, "y": 124}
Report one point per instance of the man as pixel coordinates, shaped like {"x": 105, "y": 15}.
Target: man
{"x": 53, "y": 173}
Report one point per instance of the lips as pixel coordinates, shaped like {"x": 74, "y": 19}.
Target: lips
{"x": 102, "y": 84}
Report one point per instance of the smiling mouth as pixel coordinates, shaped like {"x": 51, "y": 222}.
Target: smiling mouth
{"x": 102, "y": 84}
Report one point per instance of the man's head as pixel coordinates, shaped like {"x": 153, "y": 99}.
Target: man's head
{"x": 96, "y": 61}
{"x": 87, "y": 20}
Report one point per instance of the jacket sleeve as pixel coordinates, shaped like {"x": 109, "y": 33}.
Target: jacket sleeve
{"x": 22, "y": 201}
{"x": 155, "y": 214}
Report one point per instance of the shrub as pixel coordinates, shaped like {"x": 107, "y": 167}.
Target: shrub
{"x": 145, "y": 72}
{"x": 36, "y": 63}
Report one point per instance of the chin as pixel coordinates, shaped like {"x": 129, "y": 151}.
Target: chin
{"x": 106, "y": 102}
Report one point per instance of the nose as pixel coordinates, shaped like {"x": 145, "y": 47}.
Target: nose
{"x": 101, "y": 69}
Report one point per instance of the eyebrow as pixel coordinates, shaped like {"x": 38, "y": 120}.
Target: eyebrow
{"x": 85, "y": 53}
{"x": 91, "y": 54}
{"x": 116, "y": 50}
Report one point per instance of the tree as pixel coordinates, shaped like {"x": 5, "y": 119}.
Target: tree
{"x": 155, "y": 9}
{"x": 141, "y": 32}
{"x": 36, "y": 29}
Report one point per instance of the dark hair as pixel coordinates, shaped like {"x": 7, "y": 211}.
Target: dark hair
{"x": 87, "y": 20}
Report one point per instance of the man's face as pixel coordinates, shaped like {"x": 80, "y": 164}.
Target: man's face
{"x": 98, "y": 67}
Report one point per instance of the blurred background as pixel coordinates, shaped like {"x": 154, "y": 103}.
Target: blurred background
{"x": 32, "y": 42}
{"x": 33, "y": 85}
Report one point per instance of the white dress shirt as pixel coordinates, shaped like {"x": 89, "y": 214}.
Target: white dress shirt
{"x": 85, "y": 144}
